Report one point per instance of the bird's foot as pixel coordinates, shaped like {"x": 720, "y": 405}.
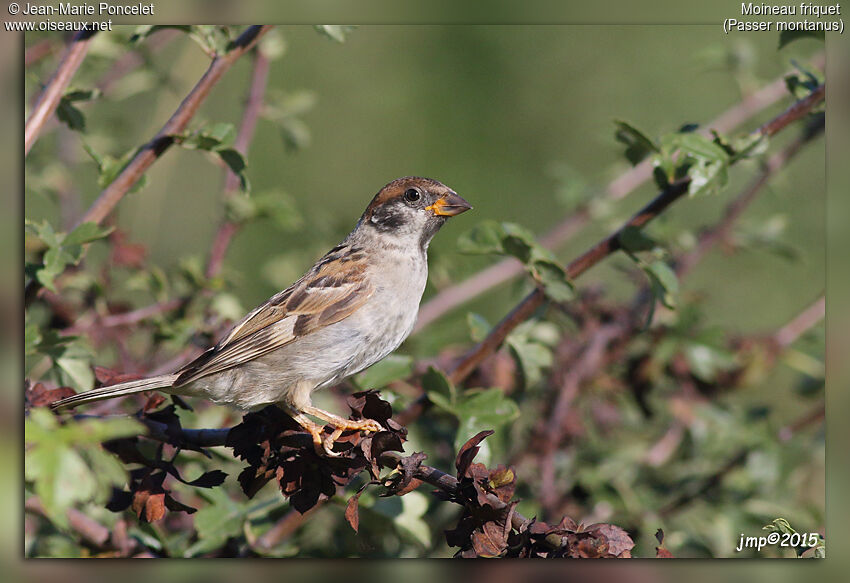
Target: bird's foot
{"x": 324, "y": 443}
{"x": 340, "y": 425}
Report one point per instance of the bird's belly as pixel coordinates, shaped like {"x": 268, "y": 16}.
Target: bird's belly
{"x": 289, "y": 374}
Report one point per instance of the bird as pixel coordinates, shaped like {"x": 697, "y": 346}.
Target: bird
{"x": 354, "y": 307}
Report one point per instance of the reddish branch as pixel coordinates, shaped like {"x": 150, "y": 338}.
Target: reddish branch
{"x": 37, "y": 52}
{"x": 598, "y": 252}
{"x": 807, "y": 319}
{"x": 49, "y": 99}
{"x": 89, "y": 529}
{"x": 507, "y": 269}
{"x": 134, "y": 59}
{"x": 253, "y": 107}
{"x": 178, "y": 122}
{"x": 733, "y": 211}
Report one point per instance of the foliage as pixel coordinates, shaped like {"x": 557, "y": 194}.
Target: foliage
{"x": 622, "y": 417}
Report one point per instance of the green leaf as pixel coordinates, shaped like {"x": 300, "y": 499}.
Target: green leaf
{"x": 220, "y": 520}
{"x": 749, "y": 146}
{"x": 70, "y": 116}
{"x": 700, "y": 147}
{"x": 380, "y": 374}
{"x": 224, "y": 133}
{"x": 86, "y": 233}
{"x": 479, "y": 327}
{"x": 638, "y": 145}
{"x": 145, "y": 31}
{"x": 780, "y": 525}
{"x": 55, "y": 460}
{"x": 435, "y": 383}
{"x": 533, "y": 357}
{"x": 32, "y": 338}
{"x": 336, "y": 32}
{"x": 665, "y": 284}
{"x": 554, "y": 280}
{"x": 707, "y": 176}
{"x": 79, "y": 370}
{"x": 634, "y": 239}
{"x": 410, "y": 523}
{"x": 236, "y": 162}
{"x": 707, "y": 361}
{"x": 275, "y": 205}
{"x": 478, "y": 410}
{"x": 484, "y": 238}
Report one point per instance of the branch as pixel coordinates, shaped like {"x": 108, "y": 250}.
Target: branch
{"x": 227, "y": 228}
{"x": 90, "y": 530}
{"x": 37, "y": 52}
{"x": 147, "y": 155}
{"x": 594, "y": 255}
{"x": 134, "y": 59}
{"x": 49, "y": 99}
{"x": 253, "y": 107}
{"x": 449, "y": 484}
{"x": 807, "y": 319}
{"x": 507, "y": 269}
{"x": 733, "y": 211}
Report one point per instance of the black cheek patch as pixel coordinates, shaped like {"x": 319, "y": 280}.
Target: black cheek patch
{"x": 387, "y": 218}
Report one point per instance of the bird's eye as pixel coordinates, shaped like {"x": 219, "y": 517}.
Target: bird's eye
{"x": 411, "y": 195}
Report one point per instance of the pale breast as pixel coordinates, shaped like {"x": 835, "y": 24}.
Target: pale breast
{"x": 329, "y": 354}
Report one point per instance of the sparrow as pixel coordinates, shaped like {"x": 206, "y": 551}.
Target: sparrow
{"x": 355, "y": 306}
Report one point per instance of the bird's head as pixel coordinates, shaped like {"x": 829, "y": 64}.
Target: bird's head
{"x": 412, "y": 208}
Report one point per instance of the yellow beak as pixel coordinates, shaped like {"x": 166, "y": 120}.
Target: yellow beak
{"x": 449, "y": 205}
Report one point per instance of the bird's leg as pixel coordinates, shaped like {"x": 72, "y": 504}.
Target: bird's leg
{"x": 311, "y": 427}
{"x": 339, "y": 424}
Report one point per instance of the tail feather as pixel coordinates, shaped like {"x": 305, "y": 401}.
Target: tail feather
{"x": 119, "y": 390}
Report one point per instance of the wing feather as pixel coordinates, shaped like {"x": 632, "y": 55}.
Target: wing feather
{"x": 328, "y": 293}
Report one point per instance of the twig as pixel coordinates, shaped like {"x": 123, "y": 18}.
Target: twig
{"x": 577, "y": 267}
{"x": 253, "y": 107}
{"x": 49, "y": 99}
{"x": 147, "y": 155}
{"x": 784, "y": 434}
{"x": 806, "y": 320}
{"x": 226, "y": 230}
{"x": 595, "y": 254}
{"x": 37, "y": 52}
{"x": 90, "y": 530}
{"x": 733, "y": 211}
{"x": 814, "y": 416}
{"x": 284, "y": 528}
{"x": 134, "y": 59}
{"x": 449, "y": 484}
{"x": 507, "y": 269}
{"x": 591, "y": 359}
{"x": 200, "y": 437}
{"x": 126, "y": 318}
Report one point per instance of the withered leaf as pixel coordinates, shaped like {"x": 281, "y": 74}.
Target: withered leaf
{"x": 107, "y": 376}
{"x": 40, "y": 396}
{"x": 468, "y": 451}
{"x": 352, "y": 507}
{"x": 618, "y": 540}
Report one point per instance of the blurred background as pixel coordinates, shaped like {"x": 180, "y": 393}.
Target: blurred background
{"x": 520, "y": 121}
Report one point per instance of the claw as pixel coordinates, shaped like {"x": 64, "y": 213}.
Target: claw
{"x": 324, "y": 444}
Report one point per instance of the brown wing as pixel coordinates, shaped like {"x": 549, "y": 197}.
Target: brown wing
{"x": 331, "y": 291}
